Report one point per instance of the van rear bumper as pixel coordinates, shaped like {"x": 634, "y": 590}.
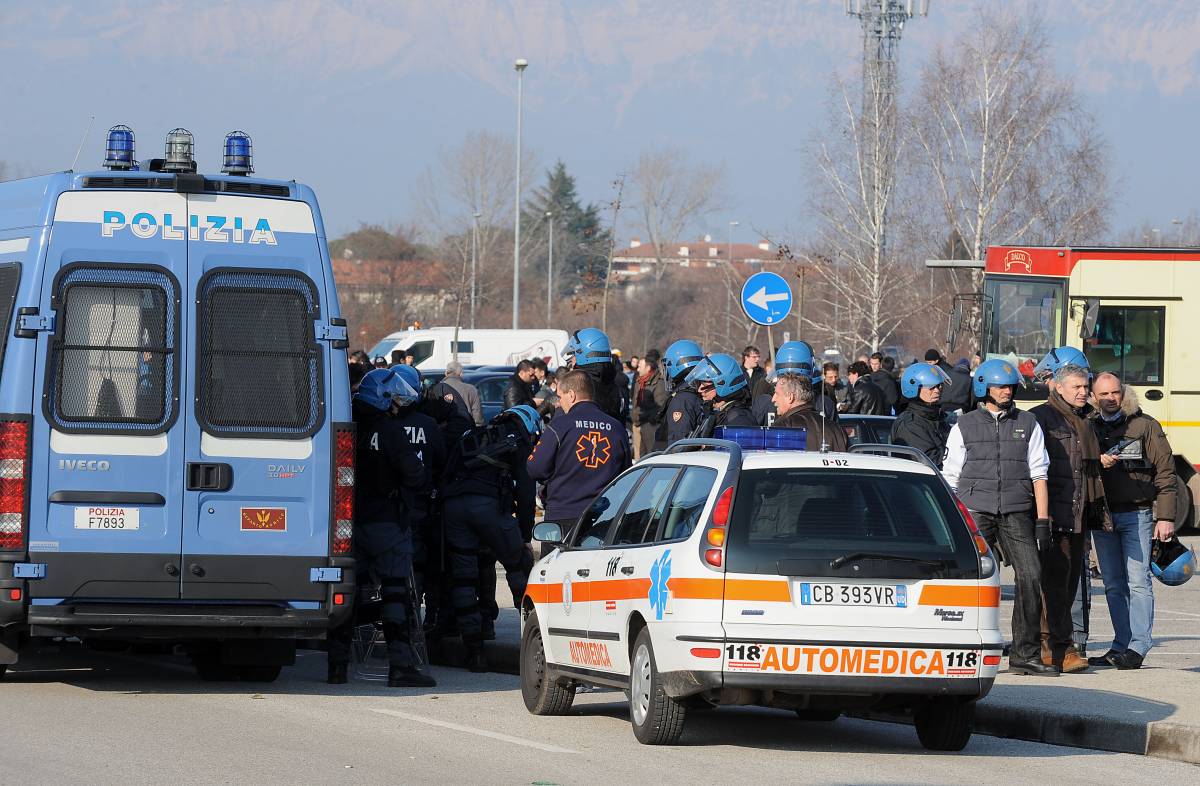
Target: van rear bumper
{"x": 180, "y": 621}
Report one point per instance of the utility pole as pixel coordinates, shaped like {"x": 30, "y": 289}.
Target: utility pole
{"x": 550, "y": 272}
{"x": 882, "y": 24}
{"x": 520, "y": 66}
{"x": 474, "y": 255}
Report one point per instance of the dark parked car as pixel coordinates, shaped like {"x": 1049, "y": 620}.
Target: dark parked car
{"x": 867, "y": 428}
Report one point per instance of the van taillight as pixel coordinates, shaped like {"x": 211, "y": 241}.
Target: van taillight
{"x": 721, "y": 511}
{"x": 14, "y": 460}
{"x": 715, "y": 536}
{"x": 343, "y": 493}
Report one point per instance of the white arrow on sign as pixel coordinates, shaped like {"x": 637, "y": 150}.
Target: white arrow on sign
{"x": 761, "y": 298}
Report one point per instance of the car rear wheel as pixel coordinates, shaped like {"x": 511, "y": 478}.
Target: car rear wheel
{"x": 542, "y": 694}
{"x": 657, "y": 718}
{"x": 944, "y": 725}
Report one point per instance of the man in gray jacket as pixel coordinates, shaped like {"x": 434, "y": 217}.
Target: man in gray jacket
{"x": 469, "y": 393}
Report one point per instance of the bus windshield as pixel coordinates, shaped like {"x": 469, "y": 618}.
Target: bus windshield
{"x": 1027, "y": 319}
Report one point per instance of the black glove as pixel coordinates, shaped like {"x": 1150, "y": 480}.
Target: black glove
{"x": 1041, "y": 533}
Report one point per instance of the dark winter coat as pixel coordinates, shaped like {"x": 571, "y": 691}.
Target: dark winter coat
{"x": 924, "y": 427}
{"x": 865, "y": 398}
{"x": 518, "y": 392}
{"x": 1145, "y": 474}
{"x": 817, "y": 427}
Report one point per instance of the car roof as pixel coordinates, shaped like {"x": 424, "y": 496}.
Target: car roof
{"x": 798, "y": 459}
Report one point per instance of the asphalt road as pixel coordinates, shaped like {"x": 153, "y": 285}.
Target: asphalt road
{"x": 75, "y": 716}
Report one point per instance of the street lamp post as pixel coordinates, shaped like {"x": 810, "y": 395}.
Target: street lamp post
{"x": 729, "y": 288}
{"x": 520, "y": 66}
{"x": 550, "y": 273}
{"x": 474, "y": 255}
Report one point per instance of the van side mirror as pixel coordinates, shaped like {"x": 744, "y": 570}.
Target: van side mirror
{"x": 550, "y": 533}
{"x": 1091, "y": 314}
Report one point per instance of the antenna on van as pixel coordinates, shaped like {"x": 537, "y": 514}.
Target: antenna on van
{"x": 83, "y": 139}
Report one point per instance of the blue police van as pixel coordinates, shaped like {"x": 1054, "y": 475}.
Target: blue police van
{"x": 176, "y": 444}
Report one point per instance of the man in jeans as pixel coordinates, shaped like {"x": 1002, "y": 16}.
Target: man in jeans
{"x": 996, "y": 463}
{"x": 1139, "y": 481}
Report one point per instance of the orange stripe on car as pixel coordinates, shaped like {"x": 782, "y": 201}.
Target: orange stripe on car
{"x": 545, "y": 593}
{"x": 969, "y": 595}
{"x": 730, "y": 589}
{"x": 618, "y": 589}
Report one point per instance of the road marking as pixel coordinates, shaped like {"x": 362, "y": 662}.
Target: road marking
{"x": 472, "y": 730}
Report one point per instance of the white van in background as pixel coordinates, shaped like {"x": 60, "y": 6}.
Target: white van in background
{"x": 433, "y": 348}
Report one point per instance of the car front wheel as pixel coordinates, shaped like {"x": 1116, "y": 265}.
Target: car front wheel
{"x": 542, "y": 694}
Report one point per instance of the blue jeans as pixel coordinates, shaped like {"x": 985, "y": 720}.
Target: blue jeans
{"x": 1124, "y": 556}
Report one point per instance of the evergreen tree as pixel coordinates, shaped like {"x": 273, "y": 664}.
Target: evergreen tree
{"x": 580, "y": 242}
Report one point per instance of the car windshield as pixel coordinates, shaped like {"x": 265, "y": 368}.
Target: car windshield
{"x": 790, "y": 521}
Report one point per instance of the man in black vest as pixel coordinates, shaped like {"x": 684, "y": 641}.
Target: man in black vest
{"x": 996, "y": 463}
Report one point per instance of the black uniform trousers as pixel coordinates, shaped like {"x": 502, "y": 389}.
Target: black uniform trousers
{"x": 1014, "y": 531}
{"x": 384, "y": 549}
{"x": 475, "y": 524}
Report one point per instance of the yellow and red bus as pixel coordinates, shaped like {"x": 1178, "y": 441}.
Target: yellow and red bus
{"x": 1133, "y": 311}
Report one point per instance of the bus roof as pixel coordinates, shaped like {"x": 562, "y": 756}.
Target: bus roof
{"x": 1059, "y": 261}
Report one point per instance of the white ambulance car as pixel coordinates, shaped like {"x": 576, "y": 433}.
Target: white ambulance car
{"x": 820, "y": 583}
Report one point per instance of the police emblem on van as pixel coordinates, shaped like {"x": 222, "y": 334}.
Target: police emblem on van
{"x": 264, "y": 519}
{"x": 83, "y": 465}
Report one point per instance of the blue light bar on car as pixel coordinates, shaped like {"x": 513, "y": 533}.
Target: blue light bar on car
{"x": 764, "y": 438}
{"x": 119, "y": 148}
{"x": 239, "y": 158}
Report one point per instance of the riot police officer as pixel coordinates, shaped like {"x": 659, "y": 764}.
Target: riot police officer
{"x": 722, "y": 384}
{"x": 797, "y": 357}
{"x": 386, "y": 472}
{"x": 684, "y": 409}
{"x": 590, "y": 351}
{"x": 488, "y": 500}
{"x": 923, "y": 425}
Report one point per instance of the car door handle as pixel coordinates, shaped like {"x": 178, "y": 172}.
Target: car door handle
{"x": 583, "y": 572}
{"x": 627, "y": 570}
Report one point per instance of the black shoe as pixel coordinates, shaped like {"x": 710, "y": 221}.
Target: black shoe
{"x": 1110, "y": 659}
{"x": 337, "y": 674}
{"x": 1032, "y": 668}
{"x": 476, "y": 661}
{"x": 409, "y": 677}
{"x": 1129, "y": 660}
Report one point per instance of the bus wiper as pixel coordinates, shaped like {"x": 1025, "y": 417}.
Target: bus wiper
{"x": 860, "y": 555}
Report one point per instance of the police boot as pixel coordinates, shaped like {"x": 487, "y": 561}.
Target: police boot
{"x": 476, "y": 661}
{"x": 337, "y": 673}
{"x": 409, "y": 677}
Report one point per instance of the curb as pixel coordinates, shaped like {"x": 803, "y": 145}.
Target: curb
{"x": 1160, "y": 739}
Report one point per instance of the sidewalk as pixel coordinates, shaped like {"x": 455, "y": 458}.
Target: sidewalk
{"x": 1153, "y": 711}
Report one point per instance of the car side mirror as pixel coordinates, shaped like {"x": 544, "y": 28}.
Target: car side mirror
{"x": 550, "y": 533}
{"x": 1091, "y": 314}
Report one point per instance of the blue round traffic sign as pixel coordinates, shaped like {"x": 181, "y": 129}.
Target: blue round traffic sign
{"x": 766, "y": 298}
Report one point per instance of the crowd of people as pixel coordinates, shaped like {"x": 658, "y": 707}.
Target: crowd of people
{"x": 442, "y": 495}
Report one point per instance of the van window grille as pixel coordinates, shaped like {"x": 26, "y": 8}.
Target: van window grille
{"x": 112, "y": 364}
{"x": 10, "y": 280}
{"x": 259, "y": 361}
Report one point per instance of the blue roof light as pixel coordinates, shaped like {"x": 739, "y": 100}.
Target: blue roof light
{"x": 753, "y": 438}
{"x": 119, "y": 148}
{"x": 239, "y": 154}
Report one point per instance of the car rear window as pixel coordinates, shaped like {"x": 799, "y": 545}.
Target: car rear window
{"x": 788, "y": 521}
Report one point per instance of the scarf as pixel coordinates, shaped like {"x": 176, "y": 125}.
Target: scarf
{"x": 1096, "y": 507}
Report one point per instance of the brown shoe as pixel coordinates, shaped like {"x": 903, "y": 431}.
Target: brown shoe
{"x": 1072, "y": 662}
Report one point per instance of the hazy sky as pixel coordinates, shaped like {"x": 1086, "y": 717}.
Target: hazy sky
{"x": 356, "y": 97}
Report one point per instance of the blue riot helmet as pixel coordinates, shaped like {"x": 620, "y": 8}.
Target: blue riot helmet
{"x": 589, "y": 346}
{"x": 994, "y": 372}
{"x": 382, "y": 387}
{"x": 1056, "y": 359}
{"x": 922, "y": 375}
{"x": 410, "y": 374}
{"x": 527, "y": 416}
{"x": 1171, "y": 562}
{"x": 680, "y": 358}
{"x": 724, "y": 372}
{"x": 794, "y": 357}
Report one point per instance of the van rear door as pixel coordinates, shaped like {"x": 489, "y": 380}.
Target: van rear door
{"x": 105, "y": 503}
{"x": 257, "y": 476}
{"x": 859, "y": 554}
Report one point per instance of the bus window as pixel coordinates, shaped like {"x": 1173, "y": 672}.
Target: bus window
{"x": 1129, "y": 343}
{"x": 1026, "y": 318}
